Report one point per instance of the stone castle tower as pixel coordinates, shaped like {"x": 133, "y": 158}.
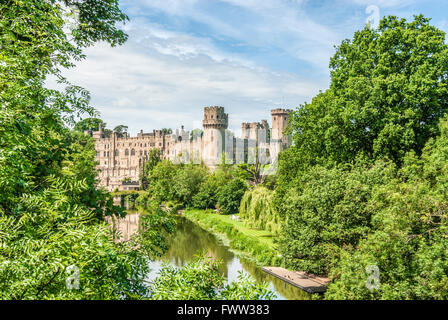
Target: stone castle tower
{"x": 215, "y": 124}
{"x": 280, "y": 119}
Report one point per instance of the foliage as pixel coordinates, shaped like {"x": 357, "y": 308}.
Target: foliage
{"x": 51, "y": 212}
{"x": 251, "y": 245}
{"x": 257, "y": 210}
{"x": 120, "y": 130}
{"x": 411, "y": 227}
{"x": 161, "y": 181}
{"x": 229, "y": 197}
{"x": 201, "y": 280}
{"x": 187, "y": 182}
{"x": 89, "y": 124}
{"x": 329, "y": 211}
{"x": 388, "y": 91}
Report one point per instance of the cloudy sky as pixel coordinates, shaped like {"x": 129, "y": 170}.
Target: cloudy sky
{"x": 247, "y": 55}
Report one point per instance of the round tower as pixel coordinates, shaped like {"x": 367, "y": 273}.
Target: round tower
{"x": 280, "y": 118}
{"x": 215, "y": 123}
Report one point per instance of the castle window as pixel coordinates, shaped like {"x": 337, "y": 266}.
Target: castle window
{"x": 217, "y": 117}
{"x": 126, "y": 153}
{"x": 117, "y": 153}
{"x": 275, "y": 118}
{"x": 132, "y": 152}
{"x": 105, "y": 153}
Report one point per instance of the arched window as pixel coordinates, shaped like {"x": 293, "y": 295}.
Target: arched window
{"x": 132, "y": 152}
{"x": 126, "y": 152}
{"x": 117, "y": 153}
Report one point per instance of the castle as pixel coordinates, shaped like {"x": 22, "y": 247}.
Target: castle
{"x": 121, "y": 158}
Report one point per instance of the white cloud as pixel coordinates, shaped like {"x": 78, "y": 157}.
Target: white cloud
{"x": 164, "y": 79}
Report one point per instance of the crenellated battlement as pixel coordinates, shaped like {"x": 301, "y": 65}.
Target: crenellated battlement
{"x": 215, "y": 118}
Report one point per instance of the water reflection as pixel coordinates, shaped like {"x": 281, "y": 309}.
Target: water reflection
{"x": 125, "y": 227}
{"x": 190, "y": 239}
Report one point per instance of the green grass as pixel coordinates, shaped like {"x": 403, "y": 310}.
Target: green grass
{"x": 257, "y": 245}
{"x": 261, "y": 235}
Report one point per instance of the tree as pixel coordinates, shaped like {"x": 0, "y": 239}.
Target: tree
{"x": 89, "y": 124}
{"x": 154, "y": 157}
{"x": 229, "y": 197}
{"x": 120, "y": 130}
{"x": 388, "y": 91}
{"x": 408, "y": 244}
{"x": 51, "y": 214}
{"x": 188, "y": 181}
{"x": 161, "y": 181}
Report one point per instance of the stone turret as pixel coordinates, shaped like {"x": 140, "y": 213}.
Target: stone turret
{"x": 280, "y": 118}
{"x": 215, "y": 124}
{"x": 215, "y": 118}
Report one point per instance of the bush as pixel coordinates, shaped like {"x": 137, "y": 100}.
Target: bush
{"x": 161, "y": 181}
{"x": 206, "y": 197}
{"x": 329, "y": 211}
{"x": 187, "y": 182}
{"x": 408, "y": 244}
{"x": 229, "y": 197}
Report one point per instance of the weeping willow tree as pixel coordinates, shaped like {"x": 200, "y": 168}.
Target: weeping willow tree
{"x": 258, "y": 211}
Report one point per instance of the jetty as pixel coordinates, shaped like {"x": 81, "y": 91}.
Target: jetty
{"x": 299, "y": 279}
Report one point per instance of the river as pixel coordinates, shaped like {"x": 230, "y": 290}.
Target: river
{"x": 190, "y": 239}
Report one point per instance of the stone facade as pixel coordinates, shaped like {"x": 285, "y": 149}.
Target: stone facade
{"x": 121, "y": 158}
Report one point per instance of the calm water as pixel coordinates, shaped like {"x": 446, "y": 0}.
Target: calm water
{"x": 190, "y": 239}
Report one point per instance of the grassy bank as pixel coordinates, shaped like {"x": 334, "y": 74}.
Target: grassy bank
{"x": 255, "y": 244}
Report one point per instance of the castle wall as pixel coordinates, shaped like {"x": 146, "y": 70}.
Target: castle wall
{"x": 121, "y": 158}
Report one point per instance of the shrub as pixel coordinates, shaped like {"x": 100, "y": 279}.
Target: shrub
{"x": 229, "y": 197}
{"x": 329, "y": 211}
{"x": 187, "y": 182}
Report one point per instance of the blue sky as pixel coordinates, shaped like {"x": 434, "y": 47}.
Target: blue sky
{"x": 247, "y": 55}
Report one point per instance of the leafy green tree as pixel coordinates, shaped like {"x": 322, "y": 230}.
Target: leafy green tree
{"x": 89, "y": 124}
{"x": 161, "y": 181}
{"x": 257, "y": 210}
{"x": 329, "y": 211}
{"x": 206, "y": 197}
{"x": 51, "y": 213}
{"x": 388, "y": 90}
{"x": 187, "y": 182}
{"x": 229, "y": 197}
{"x": 154, "y": 157}
{"x": 120, "y": 130}
{"x": 408, "y": 244}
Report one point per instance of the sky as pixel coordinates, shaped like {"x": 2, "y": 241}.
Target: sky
{"x": 249, "y": 56}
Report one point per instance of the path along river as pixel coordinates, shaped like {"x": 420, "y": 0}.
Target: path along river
{"x": 190, "y": 239}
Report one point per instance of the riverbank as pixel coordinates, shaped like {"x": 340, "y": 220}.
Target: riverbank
{"x": 257, "y": 245}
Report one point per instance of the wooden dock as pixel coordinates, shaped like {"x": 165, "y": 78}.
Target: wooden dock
{"x": 306, "y": 282}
